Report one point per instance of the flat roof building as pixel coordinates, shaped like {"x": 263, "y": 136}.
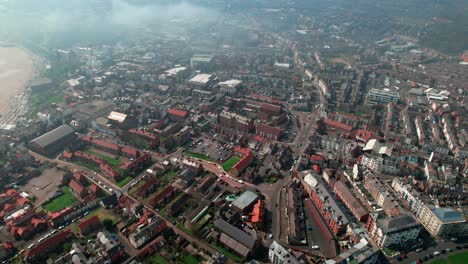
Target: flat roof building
{"x": 53, "y": 141}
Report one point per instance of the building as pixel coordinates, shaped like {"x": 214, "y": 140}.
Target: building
{"x": 377, "y": 96}
{"x": 277, "y": 254}
{"x": 236, "y": 240}
{"x": 177, "y": 115}
{"x": 236, "y": 122}
{"x": 443, "y": 221}
{"x": 268, "y": 131}
{"x": 257, "y": 216}
{"x": 332, "y": 213}
{"x": 53, "y": 141}
{"x": 202, "y": 81}
{"x": 78, "y": 189}
{"x": 245, "y": 201}
{"x": 89, "y": 225}
{"x": 42, "y": 249}
{"x": 230, "y": 86}
{"x": 245, "y": 160}
{"x": 349, "y": 199}
{"x": 202, "y": 62}
{"x": 401, "y": 230}
{"x": 381, "y": 195}
{"x": 145, "y": 232}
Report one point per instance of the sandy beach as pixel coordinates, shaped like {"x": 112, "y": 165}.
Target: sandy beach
{"x": 16, "y": 70}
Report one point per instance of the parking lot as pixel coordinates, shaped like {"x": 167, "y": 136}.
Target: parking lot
{"x": 45, "y": 185}
{"x": 212, "y": 148}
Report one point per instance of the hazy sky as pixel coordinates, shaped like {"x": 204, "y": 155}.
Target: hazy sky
{"x": 20, "y": 18}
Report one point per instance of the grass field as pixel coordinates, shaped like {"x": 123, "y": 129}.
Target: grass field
{"x": 65, "y": 200}
{"x": 189, "y": 259}
{"x": 124, "y": 181}
{"x": 227, "y": 165}
{"x": 198, "y": 156}
{"x": 155, "y": 259}
{"x": 102, "y": 213}
{"x": 115, "y": 162}
{"x": 460, "y": 258}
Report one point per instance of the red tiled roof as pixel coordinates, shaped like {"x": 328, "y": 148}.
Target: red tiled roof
{"x": 91, "y": 221}
{"x": 94, "y": 188}
{"x": 257, "y": 213}
{"x": 67, "y": 155}
{"x": 241, "y": 150}
{"x": 177, "y": 112}
{"x": 316, "y": 158}
{"x": 49, "y": 244}
{"x": 363, "y": 134}
{"x": 338, "y": 125}
{"x": 259, "y": 138}
{"x": 243, "y": 163}
{"x": 77, "y": 186}
{"x": 316, "y": 168}
{"x": 130, "y": 151}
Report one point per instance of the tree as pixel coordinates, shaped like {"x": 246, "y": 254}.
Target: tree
{"x": 108, "y": 224}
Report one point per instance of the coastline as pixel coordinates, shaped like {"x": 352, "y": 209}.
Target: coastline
{"x": 18, "y": 67}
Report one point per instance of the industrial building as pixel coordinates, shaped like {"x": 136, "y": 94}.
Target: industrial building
{"x": 53, "y": 141}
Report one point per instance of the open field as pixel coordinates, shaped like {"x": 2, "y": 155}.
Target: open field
{"x": 460, "y": 258}
{"x": 227, "y": 165}
{"x": 65, "y": 200}
{"x": 44, "y": 186}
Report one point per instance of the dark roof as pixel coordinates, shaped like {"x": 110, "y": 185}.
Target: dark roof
{"x": 90, "y": 222}
{"x": 402, "y": 221}
{"x": 53, "y": 136}
{"x": 235, "y": 233}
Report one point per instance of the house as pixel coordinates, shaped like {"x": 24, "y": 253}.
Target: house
{"x": 177, "y": 115}
{"x": 89, "y": 225}
{"x": 42, "y": 249}
{"x": 236, "y": 240}
{"x": 78, "y": 189}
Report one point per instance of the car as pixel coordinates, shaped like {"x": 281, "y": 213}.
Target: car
{"x": 270, "y": 236}
{"x": 309, "y": 228}
{"x": 449, "y": 250}
{"x": 436, "y": 253}
{"x": 453, "y": 239}
{"x": 60, "y": 227}
{"x": 40, "y": 240}
{"x": 30, "y": 246}
{"x": 419, "y": 250}
{"x": 54, "y": 231}
{"x": 314, "y": 247}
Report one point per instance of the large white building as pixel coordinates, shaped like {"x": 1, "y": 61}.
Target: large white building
{"x": 279, "y": 255}
{"x": 376, "y": 96}
{"x": 443, "y": 221}
{"x": 397, "y": 230}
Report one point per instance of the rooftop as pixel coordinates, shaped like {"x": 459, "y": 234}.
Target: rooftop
{"x": 448, "y": 215}
{"x": 53, "y": 135}
{"x": 201, "y": 79}
{"x": 245, "y": 200}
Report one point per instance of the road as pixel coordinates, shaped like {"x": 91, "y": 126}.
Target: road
{"x": 414, "y": 256}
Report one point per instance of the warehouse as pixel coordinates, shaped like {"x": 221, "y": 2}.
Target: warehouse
{"x": 53, "y": 141}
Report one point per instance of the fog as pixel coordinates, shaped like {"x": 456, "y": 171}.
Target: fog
{"x": 57, "y": 22}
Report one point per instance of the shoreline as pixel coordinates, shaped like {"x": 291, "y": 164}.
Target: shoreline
{"x": 20, "y": 67}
